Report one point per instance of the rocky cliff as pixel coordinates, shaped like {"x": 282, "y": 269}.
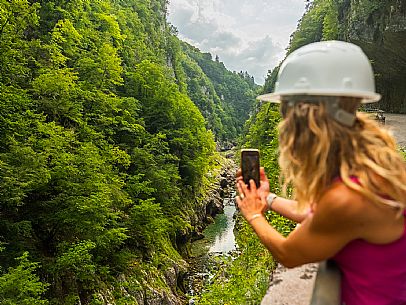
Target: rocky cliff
{"x": 379, "y": 27}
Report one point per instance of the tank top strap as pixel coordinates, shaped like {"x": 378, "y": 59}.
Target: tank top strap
{"x": 356, "y": 180}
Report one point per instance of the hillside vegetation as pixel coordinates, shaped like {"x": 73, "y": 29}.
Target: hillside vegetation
{"x": 107, "y": 132}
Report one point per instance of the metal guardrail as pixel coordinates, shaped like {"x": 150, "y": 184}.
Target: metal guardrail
{"x": 327, "y": 286}
{"x": 376, "y": 114}
{"x": 372, "y": 110}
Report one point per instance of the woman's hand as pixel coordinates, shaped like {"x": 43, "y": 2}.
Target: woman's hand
{"x": 263, "y": 189}
{"x": 263, "y": 181}
{"x": 249, "y": 201}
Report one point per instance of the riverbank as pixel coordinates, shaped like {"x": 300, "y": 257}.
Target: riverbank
{"x": 162, "y": 280}
{"x": 208, "y": 253}
{"x": 217, "y": 239}
{"x": 243, "y": 278}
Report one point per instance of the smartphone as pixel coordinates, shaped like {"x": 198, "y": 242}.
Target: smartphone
{"x": 250, "y": 165}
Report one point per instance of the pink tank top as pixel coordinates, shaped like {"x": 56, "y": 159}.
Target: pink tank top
{"x": 373, "y": 274}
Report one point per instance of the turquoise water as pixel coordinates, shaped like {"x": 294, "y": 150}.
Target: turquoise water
{"x": 219, "y": 236}
{"x": 221, "y": 233}
{"x": 218, "y": 240}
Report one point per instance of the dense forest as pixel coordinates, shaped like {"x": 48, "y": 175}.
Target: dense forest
{"x": 220, "y": 95}
{"x": 108, "y": 130}
{"x": 109, "y": 126}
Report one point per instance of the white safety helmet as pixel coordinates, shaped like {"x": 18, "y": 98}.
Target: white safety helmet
{"x": 326, "y": 69}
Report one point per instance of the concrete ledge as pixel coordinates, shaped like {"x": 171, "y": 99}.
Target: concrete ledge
{"x": 291, "y": 286}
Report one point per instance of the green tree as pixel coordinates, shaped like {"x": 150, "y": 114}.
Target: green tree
{"x": 103, "y": 151}
{"x": 18, "y": 20}
{"x": 21, "y": 285}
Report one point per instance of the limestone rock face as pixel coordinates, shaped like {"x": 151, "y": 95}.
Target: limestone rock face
{"x": 379, "y": 27}
{"x": 156, "y": 297}
{"x": 209, "y": 207}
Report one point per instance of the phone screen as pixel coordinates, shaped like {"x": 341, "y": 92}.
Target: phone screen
{"x": 250, "y": 165}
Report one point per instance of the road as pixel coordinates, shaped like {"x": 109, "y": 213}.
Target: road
{"x": 397, "y": 123}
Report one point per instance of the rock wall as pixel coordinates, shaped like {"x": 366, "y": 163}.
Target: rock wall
{"x": 379, "y": 27}
{"x": 212, "y": 203}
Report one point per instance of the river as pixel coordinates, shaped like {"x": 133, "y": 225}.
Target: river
{"x": 218, "y": 240}
{"x": 220, "y": 234}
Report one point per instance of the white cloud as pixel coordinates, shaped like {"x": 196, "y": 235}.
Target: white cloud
{"x": 248, "y": 35}
{"x": 256, "y": 58}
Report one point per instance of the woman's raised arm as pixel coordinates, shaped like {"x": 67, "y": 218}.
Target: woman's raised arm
{"x": 285, "y": 207}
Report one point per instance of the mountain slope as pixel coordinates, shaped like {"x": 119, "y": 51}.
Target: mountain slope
{"x": 225, "y": 98}
{"x": 104, "y": 155}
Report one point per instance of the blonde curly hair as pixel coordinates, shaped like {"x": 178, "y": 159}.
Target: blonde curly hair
{"x": 315, "y": 150}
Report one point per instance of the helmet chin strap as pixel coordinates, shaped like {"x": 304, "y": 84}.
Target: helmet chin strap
{"x": 340, "y": 115}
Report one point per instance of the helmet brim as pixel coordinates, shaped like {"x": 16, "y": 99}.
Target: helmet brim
{"x": 276, "y": 97}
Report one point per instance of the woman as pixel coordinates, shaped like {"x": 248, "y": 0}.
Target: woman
{"x": 346, "y": 174}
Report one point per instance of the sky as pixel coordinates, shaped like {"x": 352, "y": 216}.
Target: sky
{"x": 247, "y": 35}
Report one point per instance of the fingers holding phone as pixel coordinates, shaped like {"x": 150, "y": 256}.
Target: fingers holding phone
{"x": 250, "y": 204}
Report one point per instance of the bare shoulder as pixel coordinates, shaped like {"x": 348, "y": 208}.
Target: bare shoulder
{"x": 342, "y": 200}
{"x": 342, "y": 208}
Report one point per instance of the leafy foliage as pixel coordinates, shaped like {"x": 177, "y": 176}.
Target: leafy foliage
{"x": 102, "y": 149}
{"x": 320, "y": 22}
{"x": 225, "y": 97}
{"x": 21, "y": 286}
{"x": 245, "y": 279}
{"x": 403, "y": 152}
{"x": 261, "y": 133}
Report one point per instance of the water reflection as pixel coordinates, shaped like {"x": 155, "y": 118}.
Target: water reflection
{"x": 224, "y": 239}
{"x": 219, "y": 240}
